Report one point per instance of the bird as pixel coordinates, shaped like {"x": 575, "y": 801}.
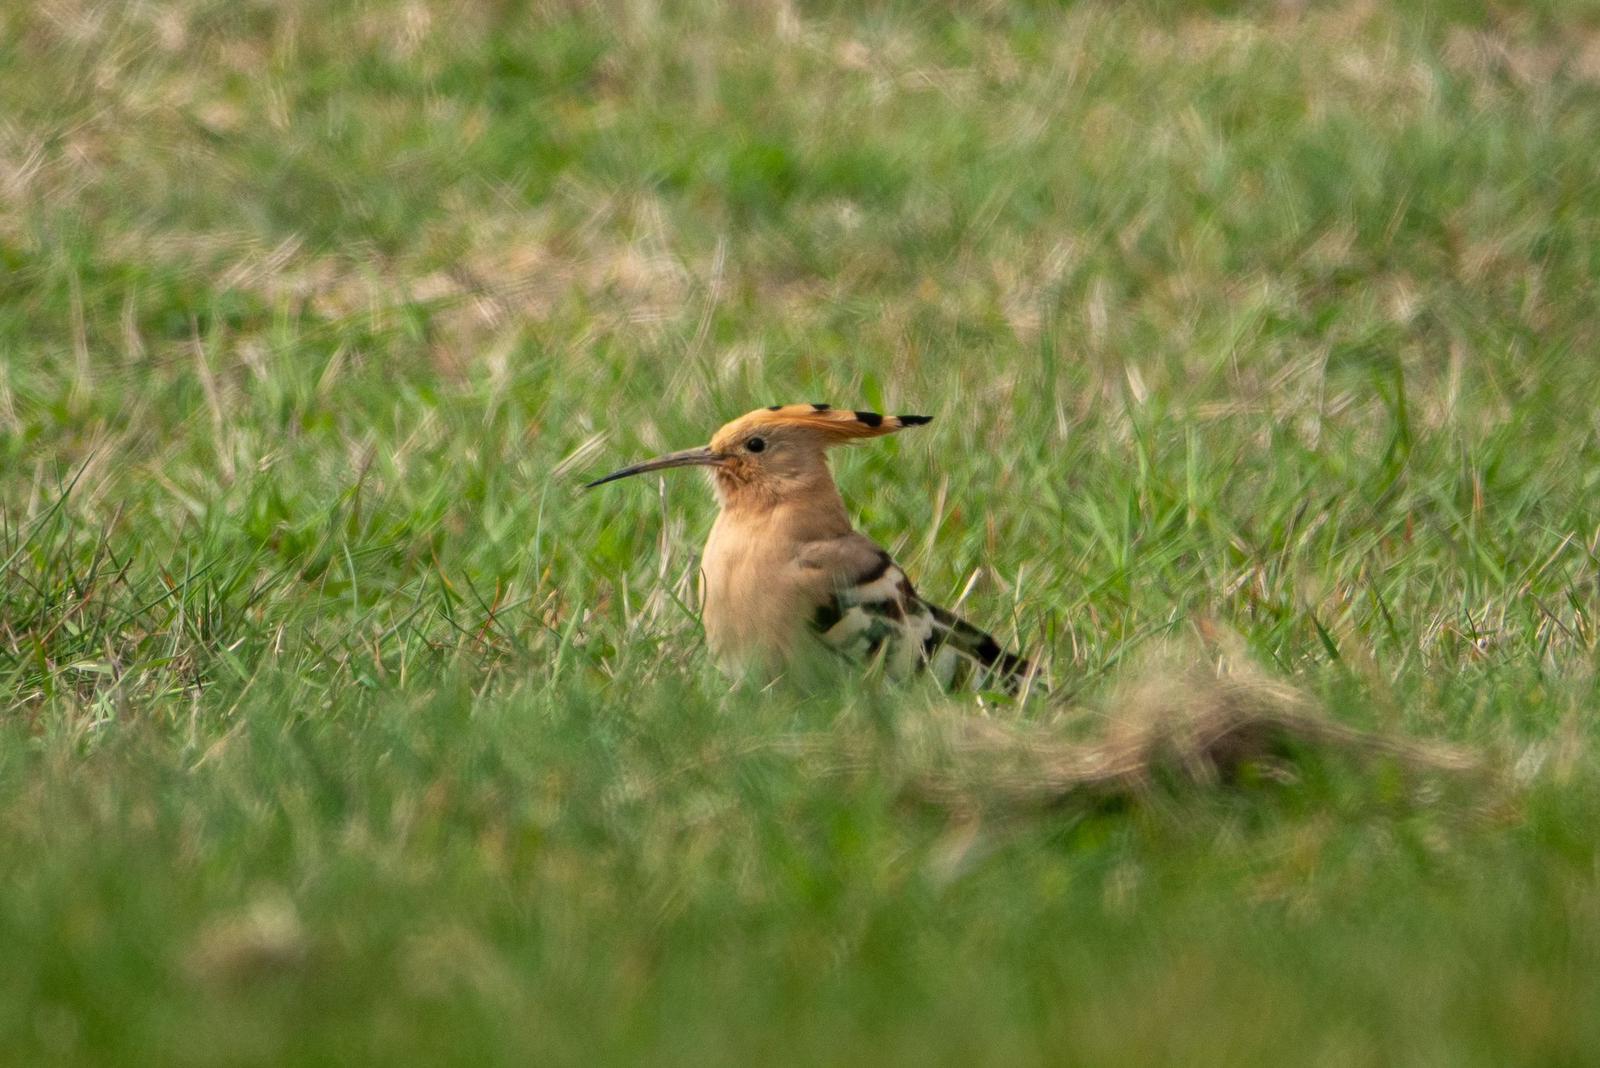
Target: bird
{"x": 785, "y": 570}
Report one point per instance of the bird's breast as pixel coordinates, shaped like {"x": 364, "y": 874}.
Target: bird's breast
{"x": 757, "y": 598}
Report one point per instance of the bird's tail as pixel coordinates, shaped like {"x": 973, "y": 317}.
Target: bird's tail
{"x": 960, "y": 654}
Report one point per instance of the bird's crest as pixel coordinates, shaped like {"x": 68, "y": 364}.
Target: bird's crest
{"x": 834, "y": 424}
{"x": 735, "y": 450}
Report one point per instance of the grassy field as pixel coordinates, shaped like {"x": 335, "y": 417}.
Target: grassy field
{"x": 337, "y": 725}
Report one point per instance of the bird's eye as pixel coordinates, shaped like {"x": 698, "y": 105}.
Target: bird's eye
{"x": 756, "y": 444}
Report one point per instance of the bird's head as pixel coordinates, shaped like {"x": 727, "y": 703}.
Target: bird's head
{"x": 772, "y": 453}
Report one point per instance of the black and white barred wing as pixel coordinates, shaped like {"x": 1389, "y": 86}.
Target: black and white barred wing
{"x": 875, "y": 613}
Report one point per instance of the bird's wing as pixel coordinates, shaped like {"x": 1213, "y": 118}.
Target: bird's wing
{"x": 871, "y": 610}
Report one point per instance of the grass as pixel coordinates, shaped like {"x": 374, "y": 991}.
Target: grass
{"x": 336, "y": 725}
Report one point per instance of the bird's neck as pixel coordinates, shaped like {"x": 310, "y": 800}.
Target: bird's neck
{"x": 809, "y": 507}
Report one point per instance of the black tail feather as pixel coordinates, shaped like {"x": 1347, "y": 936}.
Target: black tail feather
{"x": 1006, "y": 669}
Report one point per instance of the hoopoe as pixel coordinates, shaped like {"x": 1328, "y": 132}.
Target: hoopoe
{"x": 783, "y": 565}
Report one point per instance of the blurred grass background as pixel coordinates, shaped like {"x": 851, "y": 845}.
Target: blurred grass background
{"x": 338, "y": 727}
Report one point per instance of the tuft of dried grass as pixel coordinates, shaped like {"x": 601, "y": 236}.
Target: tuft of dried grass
{"x": 1186, "y": 716}
{"x": 264, "y": 939}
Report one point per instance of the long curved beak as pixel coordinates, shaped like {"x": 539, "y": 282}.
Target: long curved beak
{"x": 686, "y": 458}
